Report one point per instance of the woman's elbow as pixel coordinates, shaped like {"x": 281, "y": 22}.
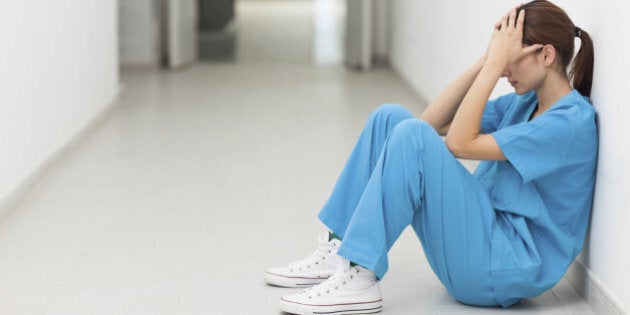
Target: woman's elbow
{"x": 455, "y": 147}
{"x": 481, "y": 148}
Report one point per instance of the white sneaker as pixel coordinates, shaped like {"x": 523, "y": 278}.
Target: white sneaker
{"x": 351, "y": 290}
{"x": 309, "y": 271}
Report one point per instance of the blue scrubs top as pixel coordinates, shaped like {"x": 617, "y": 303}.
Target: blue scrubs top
{"x": 542, "y": 194}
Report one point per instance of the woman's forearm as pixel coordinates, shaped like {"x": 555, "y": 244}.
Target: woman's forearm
{"x": 441, "y": 111}
{"x": 465, "y": 126}
{"x": 505, "y": 48}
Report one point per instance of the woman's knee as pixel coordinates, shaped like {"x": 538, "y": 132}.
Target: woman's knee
{"x": 414, "y": 133}
{"x": 390, "y": 112}
{"x": 416, "y": 127}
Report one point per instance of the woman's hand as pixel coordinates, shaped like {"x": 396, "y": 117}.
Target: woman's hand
{"x": 506, "y": 44}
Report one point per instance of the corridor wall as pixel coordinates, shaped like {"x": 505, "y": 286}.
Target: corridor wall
{"x": 58, "y": 72}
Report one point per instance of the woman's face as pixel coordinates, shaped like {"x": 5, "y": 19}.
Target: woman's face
{"x": 526, "y": 74}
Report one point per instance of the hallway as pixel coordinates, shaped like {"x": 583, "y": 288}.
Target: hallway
{"x": 176, "y": 201}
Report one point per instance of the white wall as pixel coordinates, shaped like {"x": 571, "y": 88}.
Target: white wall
{"x": 59, "y": 69}
{"x": 182, "y": 32}
{"x": 139, "y": 32}
{"x": 433, "y": 41}
{"x": 380, "y": 24}
{"x": 359, "y": 33}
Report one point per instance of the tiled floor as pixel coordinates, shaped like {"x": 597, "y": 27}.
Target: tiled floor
{"x": 201, "y": 180}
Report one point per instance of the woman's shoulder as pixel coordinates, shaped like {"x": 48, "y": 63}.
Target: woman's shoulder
{"x": 575, "y": 106}
{"x": 575, "y": 98}
{"x": 573, "y": 115}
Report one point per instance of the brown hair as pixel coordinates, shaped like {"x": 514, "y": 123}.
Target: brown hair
{"x": 548, "y": 24}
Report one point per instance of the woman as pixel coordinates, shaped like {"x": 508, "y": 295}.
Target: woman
{"x": 506, "y": 232}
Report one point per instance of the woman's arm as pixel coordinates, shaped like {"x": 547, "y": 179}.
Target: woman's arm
{"x": 441, "y": 111}
{"x": 463, "y": 138}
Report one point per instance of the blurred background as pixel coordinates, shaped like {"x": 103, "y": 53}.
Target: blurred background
{"x": 175, "y": 33}
{"x": 111, "y": 110}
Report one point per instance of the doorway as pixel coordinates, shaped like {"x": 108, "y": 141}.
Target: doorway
{"x": 275, "y": 31}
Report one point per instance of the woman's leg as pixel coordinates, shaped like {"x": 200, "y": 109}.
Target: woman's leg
{"x": 349, "y": 188}
{"x": 418, "y": 181}
{"x": 320, "y": 265}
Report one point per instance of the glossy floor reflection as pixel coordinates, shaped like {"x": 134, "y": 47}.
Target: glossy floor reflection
{"x": 198, "y": 182}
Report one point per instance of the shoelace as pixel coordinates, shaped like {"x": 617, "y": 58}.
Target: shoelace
{"x": 324, "y": 249}
{"x": 345, "y": 273}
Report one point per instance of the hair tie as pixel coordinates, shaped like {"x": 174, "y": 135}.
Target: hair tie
{"x": 578, "y": 32}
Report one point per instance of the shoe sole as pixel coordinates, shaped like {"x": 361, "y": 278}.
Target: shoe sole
{"x": 336, "y": 309}
{"x": 292, "y": 282}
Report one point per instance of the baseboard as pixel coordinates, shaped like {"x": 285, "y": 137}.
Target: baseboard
{"x": 13, "y": 199}
{"x": 592, "y": 290}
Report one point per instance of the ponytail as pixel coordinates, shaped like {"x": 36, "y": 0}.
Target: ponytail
{"x": 582, "y": 67}
{"x": 546, "y": 23}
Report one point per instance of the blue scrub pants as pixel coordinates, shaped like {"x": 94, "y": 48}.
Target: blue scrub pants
{"x": 400, "y": 173}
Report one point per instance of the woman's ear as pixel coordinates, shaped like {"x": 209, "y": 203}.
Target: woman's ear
{"x": 548, "y": 55}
